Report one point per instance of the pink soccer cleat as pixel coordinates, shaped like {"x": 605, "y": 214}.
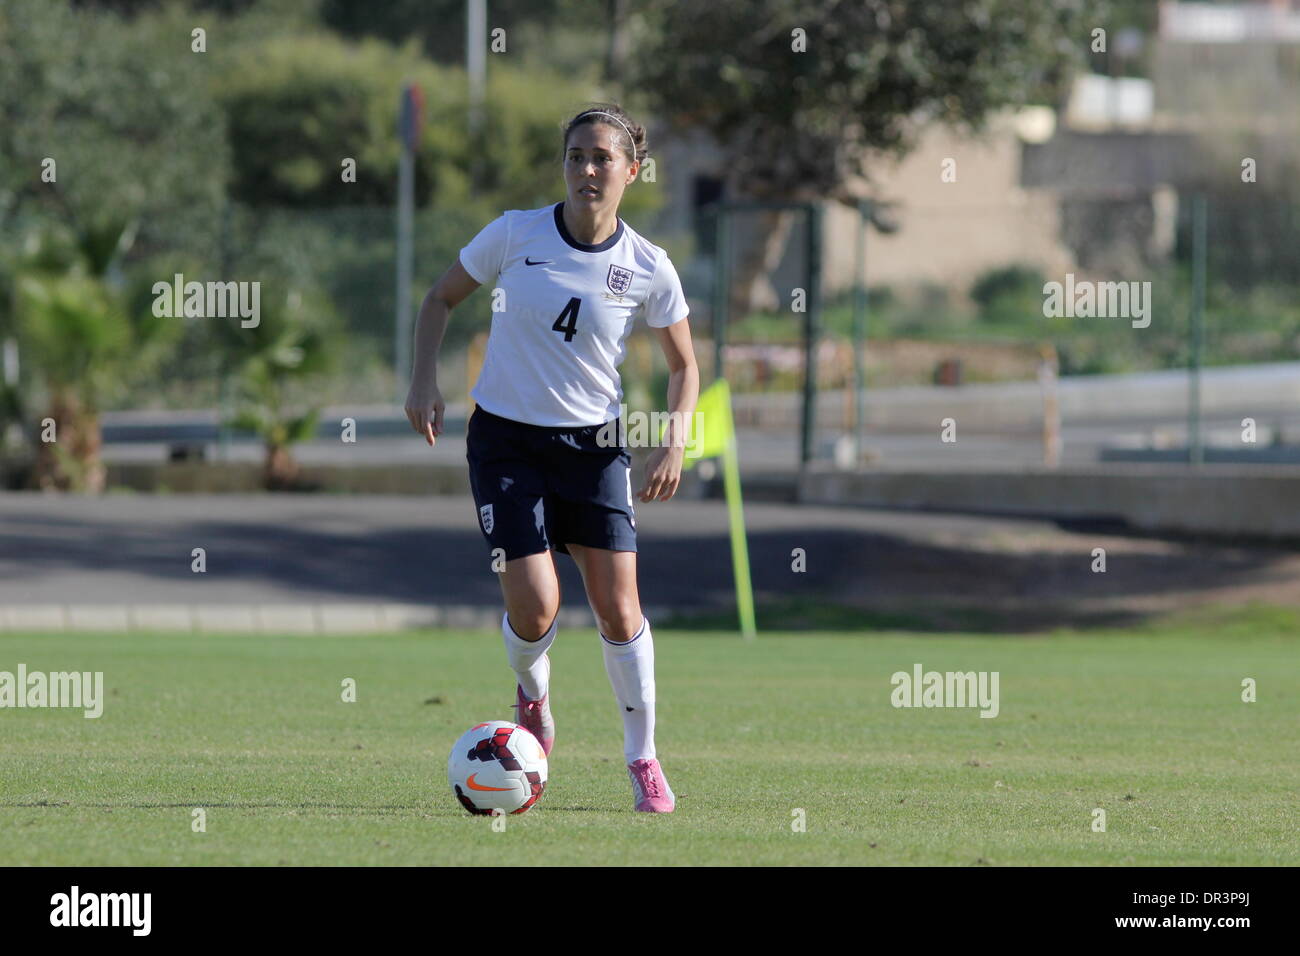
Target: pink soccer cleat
{"x": 650, "y": 789}
{"x": 535, "y": 716}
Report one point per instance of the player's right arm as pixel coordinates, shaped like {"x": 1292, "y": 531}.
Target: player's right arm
{"x": 424, "y": 404}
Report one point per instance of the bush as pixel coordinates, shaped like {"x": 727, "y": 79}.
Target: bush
{"x": 1009, "y": 296}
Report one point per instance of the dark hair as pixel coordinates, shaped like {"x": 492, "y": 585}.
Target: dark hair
{"x": 611, "y": 114}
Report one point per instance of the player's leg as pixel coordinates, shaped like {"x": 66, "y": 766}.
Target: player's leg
{"x": 509, "y": 485}
{"x": 627, "y": 642}
{"x": 591, "y": 516}
{"x": 531, "y": 590}
{"x": 610, "y": 580}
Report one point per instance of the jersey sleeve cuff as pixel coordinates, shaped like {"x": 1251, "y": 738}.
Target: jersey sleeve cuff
{"x": 664, "y": 325}
{"x": 470, "y": 271}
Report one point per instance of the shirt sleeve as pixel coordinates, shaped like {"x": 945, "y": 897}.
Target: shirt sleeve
{"x": 665, "y": 303}
{"x": 483, "y": 256}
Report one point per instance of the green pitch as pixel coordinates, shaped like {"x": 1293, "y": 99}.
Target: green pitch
{"x": 1147, "y": 724}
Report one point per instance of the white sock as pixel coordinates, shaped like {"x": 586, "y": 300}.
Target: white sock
{"x": 527, "y": 658}
{"x": 631, "y": 670}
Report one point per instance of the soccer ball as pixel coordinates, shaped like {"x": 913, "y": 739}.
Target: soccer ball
{"x": 497, "y": 765}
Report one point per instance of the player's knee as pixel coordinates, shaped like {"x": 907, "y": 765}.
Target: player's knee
{"x": 531, "y": 625}
{"x": 620, "y": 624}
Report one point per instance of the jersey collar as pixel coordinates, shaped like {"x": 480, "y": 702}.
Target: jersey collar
{"x": 583, "y": 246}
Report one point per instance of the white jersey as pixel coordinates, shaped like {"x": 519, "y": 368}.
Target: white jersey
{"x": 566, "y": 308}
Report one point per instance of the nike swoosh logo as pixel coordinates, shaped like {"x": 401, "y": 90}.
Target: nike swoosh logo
{"x": 539, "y": 262}
{"x": 478, "y": 786}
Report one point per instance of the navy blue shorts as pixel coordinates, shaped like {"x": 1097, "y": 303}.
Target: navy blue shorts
{"x": 539, "y": 488}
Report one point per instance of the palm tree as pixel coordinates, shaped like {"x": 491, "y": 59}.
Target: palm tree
{"x": 269, "y": 361}
{"x": 76, "y": 331}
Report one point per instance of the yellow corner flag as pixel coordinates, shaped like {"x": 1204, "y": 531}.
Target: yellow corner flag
{"x": 712, "y": 433}
{"x": 711, "y": 425}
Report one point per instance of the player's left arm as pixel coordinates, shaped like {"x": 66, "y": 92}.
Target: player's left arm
{"x": 664, "y": 467}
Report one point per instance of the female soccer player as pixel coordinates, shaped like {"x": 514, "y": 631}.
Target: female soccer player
{"x": 546, "y": 465}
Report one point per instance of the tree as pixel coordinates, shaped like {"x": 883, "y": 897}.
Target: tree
{"x": 75, "y": 329}
{"x": 101, "y": 117}
{"x": 270, "y": 362}
{"x": 542, "y": 32}
{"x": 297, "y": 105}
{"x": 800, "y": 96}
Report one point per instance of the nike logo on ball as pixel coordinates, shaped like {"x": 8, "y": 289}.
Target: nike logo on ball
{"x": 539, "y": 262}
{"x": 478, "y": 786}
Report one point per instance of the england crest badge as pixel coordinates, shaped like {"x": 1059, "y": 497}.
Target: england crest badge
{"x": 485, "y": 515}
{"x": 619, "y": 280}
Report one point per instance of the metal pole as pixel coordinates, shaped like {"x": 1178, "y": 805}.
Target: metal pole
{"x": 1195, "y": 447}
{"x": 721, "y": 286}
{"x": 476, "y": 67}
{"x": 11, "y": 363}
{"x": 812, "y": 324}
{"x": 1048, "y": 368}
{"x": 405, "y": 204}
{"x": 860, "y": 332}
{"x": 11, "y": 372}
{"x": 224, "y": 405}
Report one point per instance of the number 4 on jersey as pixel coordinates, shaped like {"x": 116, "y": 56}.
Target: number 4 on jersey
{"x": 571, "y": 313}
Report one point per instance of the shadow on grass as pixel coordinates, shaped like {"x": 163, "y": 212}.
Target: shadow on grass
{"x": 803, "y": 614}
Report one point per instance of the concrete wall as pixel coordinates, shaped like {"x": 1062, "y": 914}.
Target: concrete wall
{"x": 951, "y": 232}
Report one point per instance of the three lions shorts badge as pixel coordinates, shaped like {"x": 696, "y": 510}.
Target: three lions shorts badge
{"x": 619, "y": 279}
{"x": 485, "y": 516}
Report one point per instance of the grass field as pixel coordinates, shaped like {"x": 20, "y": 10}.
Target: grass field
{"x": 1145, "y": 723}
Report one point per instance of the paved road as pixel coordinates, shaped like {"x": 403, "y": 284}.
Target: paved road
{"x": 135, "y": 549}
